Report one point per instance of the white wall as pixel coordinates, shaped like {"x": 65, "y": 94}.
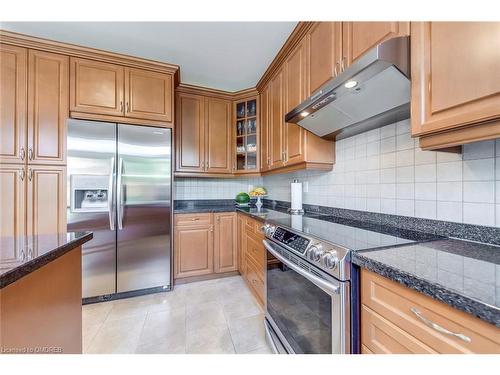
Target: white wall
{"x": 212, "y": 188}
{"x": 384, "y": 170}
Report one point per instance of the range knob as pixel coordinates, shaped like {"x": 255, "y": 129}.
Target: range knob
{"x": 268, "y": 229}
{"x": 329, "y": 259}
{"x": 315, "y": 252}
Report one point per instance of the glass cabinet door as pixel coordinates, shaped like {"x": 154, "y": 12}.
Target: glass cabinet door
{"x": 245, "y": 130}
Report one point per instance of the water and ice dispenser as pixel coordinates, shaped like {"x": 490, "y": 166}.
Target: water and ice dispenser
{"x": 89, "y": 193}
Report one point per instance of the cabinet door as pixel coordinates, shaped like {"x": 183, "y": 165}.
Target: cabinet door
{"x": 148, "y": 95}
{"x": 295, "y": 93}
{"x": 12, "y": 214}
{"x": 193, "y": 251}
{"x": 325, "y": 53}
{"x": 13, "y": 108}
{"x": 225, "y": 242}
{"x": 190, "y": 133}
{"x": 241, "y": 244}
{"x": 455, "y": 74}
{"x": 360, "y": 37}
{"x": 277, "y": 122}
{"x": 218, "y": 136}
{"x": 265, "y": 157}
{"x": 47, "y": 107}
{"x": 46, "y": 200}
{"x": 96, "y": 87}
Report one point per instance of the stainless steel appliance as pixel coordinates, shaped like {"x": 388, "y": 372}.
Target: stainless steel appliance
{"x": 312, "y": 290}
{"x": 307, "y": 293}
{"x": 119, "y": 187}
{"x": 372, "y": 92}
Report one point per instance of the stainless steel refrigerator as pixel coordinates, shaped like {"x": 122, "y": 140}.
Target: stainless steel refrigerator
{"x": 120, "y": 188}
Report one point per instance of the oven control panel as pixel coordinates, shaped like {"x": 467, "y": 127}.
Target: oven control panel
{"x": 292, "y": 240}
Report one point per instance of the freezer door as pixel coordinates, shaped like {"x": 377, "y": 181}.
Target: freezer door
{"x": 90, "y": 207}
{"x": 144, "y": 180}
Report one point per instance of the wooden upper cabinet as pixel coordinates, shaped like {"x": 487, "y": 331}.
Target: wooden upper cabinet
{"x": 96, "y": 87}
{"x": 276, "y": 121}
{"x": 265, "y": 158}
{"x": 325, "y": 53}
{"x": 148, "y": 95}
{"x": 296, "y": 83}
{"x": 13, "y": 78}
{"x": 455, "y": 73}
{"x": 190, "y": 133}
{"x": 193, "y": 251}
{"x": 359, "y": 37}
{"x": 48, "y": 110}
{"x": 218, "y": 136}
{"x": 225, "y": 242}
{"x": 46, "y": 199}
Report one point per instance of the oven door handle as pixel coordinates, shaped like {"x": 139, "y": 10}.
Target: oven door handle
{"x": 333, "y": 289}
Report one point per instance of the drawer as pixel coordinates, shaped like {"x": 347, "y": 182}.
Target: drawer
{"x": 255, "y": 250}
{"x": 193, "y": 219}
{"x": 398, "y": 304}
{"x": 380, "y": 336}
{"x": 253, "y": 226}
{"x": 255, "y": 280}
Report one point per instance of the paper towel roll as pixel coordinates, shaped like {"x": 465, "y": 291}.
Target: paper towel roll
{"x": 296, "y": 195}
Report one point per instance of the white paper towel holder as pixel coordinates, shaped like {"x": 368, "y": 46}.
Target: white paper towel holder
{"x": 295, "y": 211}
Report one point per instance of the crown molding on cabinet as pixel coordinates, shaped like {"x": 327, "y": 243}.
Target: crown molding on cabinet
{"x": 295, "y": 37}
{"x": 215, "y": 93}
{"x": 48, "y": 45}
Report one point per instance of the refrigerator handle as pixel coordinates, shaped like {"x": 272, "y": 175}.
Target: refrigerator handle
{"x": 111, "y": 210}
{"x": 119, "y": 197}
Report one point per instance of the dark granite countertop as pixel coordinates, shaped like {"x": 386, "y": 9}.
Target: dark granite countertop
{"x": 19, "y": 256}
{"x": 462, "y": 274}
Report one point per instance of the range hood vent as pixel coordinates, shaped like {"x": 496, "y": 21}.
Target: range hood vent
{"x": 374, "y": 91}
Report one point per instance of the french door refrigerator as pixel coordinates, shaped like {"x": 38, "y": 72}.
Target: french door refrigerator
{"x": 119, "y": 187}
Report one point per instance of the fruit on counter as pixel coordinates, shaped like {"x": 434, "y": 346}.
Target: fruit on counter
{"x": 258, "y": 192}
{"x": 242, "y": 198}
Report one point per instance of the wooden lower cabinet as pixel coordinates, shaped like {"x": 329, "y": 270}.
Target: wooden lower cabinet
{"x": 42, "y": 311}
{"x": 205, "y": 244}
{"x": 241, "y": 243}
{"x": 225, "y": 242}
{"x": 254, "y": 257}
{"x": 389, "y": 322}
{"x": 193, "y": 249}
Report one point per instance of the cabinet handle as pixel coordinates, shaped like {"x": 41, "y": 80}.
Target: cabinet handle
{"x": 218, "y": 219}
{"x": 22, "y": 174}
{"x": 195, "y": 218}
{"x": 128, "y": 108}
{"x": 30, "y": 174}
{"x": 343, "y": 64}
{"x": 22, "y": 153}
{"x": 335, "y": 70}
{"x": 437, "y": 327}
{"x": 30, "y": 153}
{"x": 211, "y": 229}
{"x": 121, "y": 106}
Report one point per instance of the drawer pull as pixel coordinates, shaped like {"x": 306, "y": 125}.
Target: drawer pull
{"x": 437, "y": 327}
{"x": 195, "y": 218}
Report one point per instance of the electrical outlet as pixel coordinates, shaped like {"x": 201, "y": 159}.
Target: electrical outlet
{"x": 305, "y": 187}
{"x": 250, "y": 187}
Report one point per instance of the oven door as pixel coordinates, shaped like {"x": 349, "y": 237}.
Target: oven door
{"x": 306, "y": 309}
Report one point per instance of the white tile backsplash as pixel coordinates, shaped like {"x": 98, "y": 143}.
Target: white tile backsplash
{"x": 212, "y": 188}
{"x": 385, "y": 171}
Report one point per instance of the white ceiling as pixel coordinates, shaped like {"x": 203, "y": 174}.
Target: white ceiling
{"x": 229, "y": 56}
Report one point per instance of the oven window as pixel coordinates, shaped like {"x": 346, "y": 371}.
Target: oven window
{"x": 301, "y": 310}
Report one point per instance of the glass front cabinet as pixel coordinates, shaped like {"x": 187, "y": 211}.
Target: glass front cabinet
{"x": 245, "y": 130}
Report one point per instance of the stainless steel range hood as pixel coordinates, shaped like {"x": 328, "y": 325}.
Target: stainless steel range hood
{"x": 374, "y": 91}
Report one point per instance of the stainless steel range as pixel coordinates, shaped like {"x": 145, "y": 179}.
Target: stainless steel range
{"x": 311, "y": 288}
{"x": 307, "y": 293}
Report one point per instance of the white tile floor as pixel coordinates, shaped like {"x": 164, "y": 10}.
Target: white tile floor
{"x": 215, "y": 316}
